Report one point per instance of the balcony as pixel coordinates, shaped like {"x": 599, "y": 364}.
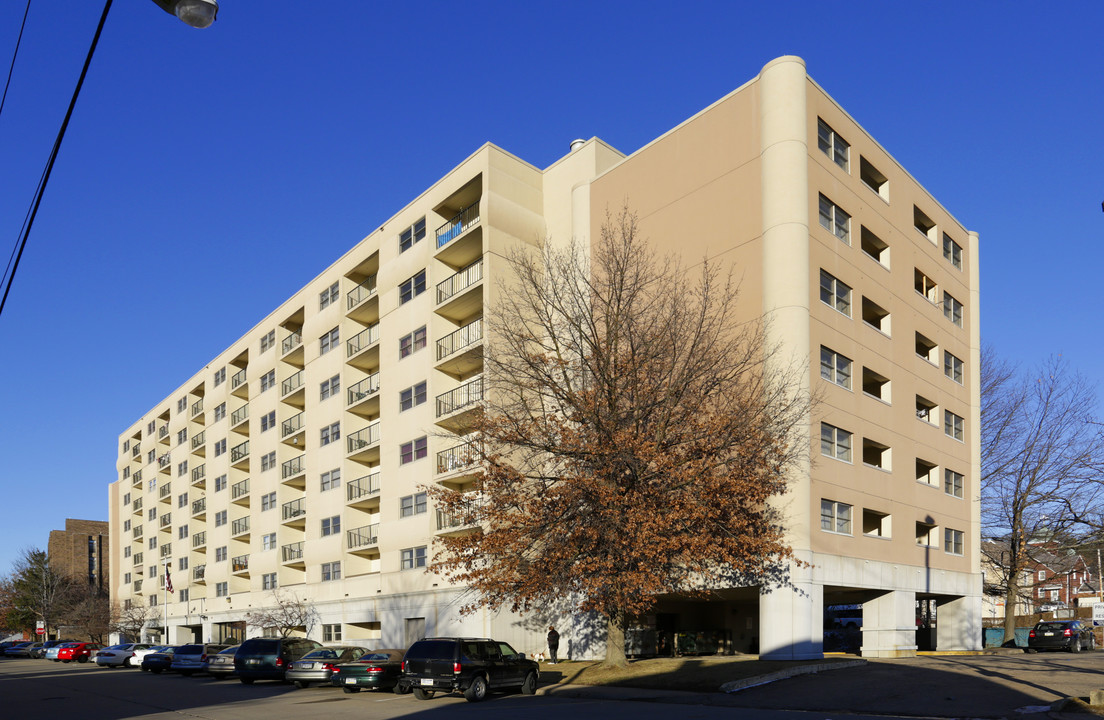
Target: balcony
{"x": 139, "y": 558}
{"x": 239, "y": 493}
{"x": 199, "y": 540}
{"x": 294, "y": 513}
{"x": 165, "y": 493}
{"x": 292, "y": 554}
{"x": 460, "y": 352}
{"x": 363, "y": 540}
{"x": 456, "y": 409}
{"x": 458, "y": 464}
{"x": 199, "y": 508}
{"x": 447, "y": 524}
{"x": 363, "y": 445}
{"x": 291, "y": 390}
{"x": 294, "y": 473}
{"x": 239, "y": 456}
{"x": 239, "y": 387}
{"x": 362, "y": 349}
{"x": 240, "y": 565}
{"x": 239, "y": 529}
{"x": 198, "y": 574}
{"x": 363, "y": 398}
{"x": 459, "y": 224}
{"x": 166, "y": 550}
{"x": 463, "y": 522}
{"x": 165, "y": 523}
{"x": 199, "y": 446}
{"x": 136, "y": 479}
{"x": 364, "y": 492}
{"x": 199, "y": 476}
{"x": 137, "y": 586}
{"x": 197, "y": 410}
{"x": 362, "y": 303}
{"x": 292, "y": 432}
{"x": 137, "y": 531}
{"x": 136, "y": 451}
{"x": 136, "y": 506}
{"x": 461, "y": 295}
{"x": 291, "y": 350}
{"x": 164, "y": 463}
{"x": 239, "y": 420}
{"x": 163, "y": 434}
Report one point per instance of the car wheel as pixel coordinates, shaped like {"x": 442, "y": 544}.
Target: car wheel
{"x": 156, "y": 671}
{"x": 65, "y": 661}
{"x": 82, "y": 659}
{"x": 129, "y": 662}
{"x": 400, "y": 689}
{"x": 477, "y": 690}
{"x": 1076, "y": 646}
{"x": 348, "y": 689}
{"x": 302, "y": 684}
{"x": 529, "y": 686}
{"x": 422, "y": 694}
{"x": 247, "y": 681}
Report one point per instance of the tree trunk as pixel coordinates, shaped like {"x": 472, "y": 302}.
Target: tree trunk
{"x": 1010, "y": 605}
{"x": 615, "y": 641}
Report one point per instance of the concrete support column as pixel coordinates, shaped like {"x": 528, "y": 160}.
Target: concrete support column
{"x": 889, "y": 625}
{"x": 791, "y": 623}
{"x": 958, "y": 623}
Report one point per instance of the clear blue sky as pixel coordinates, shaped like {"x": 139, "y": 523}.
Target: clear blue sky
{"x": 207, "y": 175}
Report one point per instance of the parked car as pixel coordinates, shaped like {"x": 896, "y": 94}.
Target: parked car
{"x": 269, "y": 658}
{"x": 1072, "y": 635}
{"x": 140, "y": 655}
{"x": 78, "y": 651}
{"x": 375, "y": 670}
{"x": 221, "y": 664}
{"x": 120, "y": 655}
{"x": 22, "y": 649}
{"x": 157, "y": 662}
{"x": 473, "y": 666}
{"x": 46, "y": 646}
{"x": 52, "y": 653}
{"x": 191, "y": 659}
{"x": 318, "y": 665}
{"x": 10, "y": 643}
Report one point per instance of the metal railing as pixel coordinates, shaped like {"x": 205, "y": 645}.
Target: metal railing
{"x": 457, "y": 457}
{"x": 166, "y": 550}
{"x": 164, "y": 461}
{"x": 293, "y": 509}
{"x": 362, "y": 340}
{"x": 292, "y": 384}
{"x": 363, "y": 536}
{"x": 137, "y": 586}
{"x": 197, "y": 407}
{"x": 137, "y": 505}
{"x": 239, "y": 489}
{"x": 239, "y": 563}
{"x": 199, "y": 539}
{"x": 165, "y": 491}
{"x": 198, "y": 439}
{"x": 291, "y": 468}
{"x": 239, "y": 452}
{"x": 136, "y": 451}
{"x": 237, "y": 379}
{"x": 139, "y": 558}
{"x": 239, "y": 415}
{"x": 163, "y": 431}
{"x": 291, "y": 552}
{"x": 363, "y": 291}
{"x": 166, "y": 520}
{"x": 199, "y": 472}
{"x": 292, "y": 425}
{"x": 469, "y": 393}
{"x": 239, "y": 526}
{"x": 198, "y": 572}
{"x": 457, "y": 340}
{"x": 199, "y": 506}
{"x": 459, "y": 282}
{"x": 364, "y": 438}
{"x": 366, "y": 387}
{"x": 137, "y": 477}
{"x": 366, "y": 486}
{"x": 291, "y": 342}
{"x": 137, "y": 531}
{"x": 463, "y": 220}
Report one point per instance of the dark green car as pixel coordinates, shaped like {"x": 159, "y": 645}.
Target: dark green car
{"x": 375, "y": 670}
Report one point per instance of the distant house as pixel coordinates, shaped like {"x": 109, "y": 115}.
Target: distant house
{"x": 1054, "y": 578}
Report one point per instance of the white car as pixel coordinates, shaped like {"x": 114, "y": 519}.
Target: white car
{"x": 140, "y": 655}
{"x": 121, "y": 655}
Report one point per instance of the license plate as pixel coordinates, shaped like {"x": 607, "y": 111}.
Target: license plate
{"x": 350, "y": 681}
{"x": 306, "y": 666}
{"x": 427, "y": 681}
{"x": 1048, "y": 634}
{"x": 252, "y": 661}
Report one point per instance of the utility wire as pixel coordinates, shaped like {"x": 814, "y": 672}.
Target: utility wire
{"x": 15, "y": 54}
{"x": 53, "y": 156}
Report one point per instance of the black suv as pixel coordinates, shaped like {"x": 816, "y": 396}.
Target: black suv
{"x": 269, "y": 658}
{"x": 473, "y": 666}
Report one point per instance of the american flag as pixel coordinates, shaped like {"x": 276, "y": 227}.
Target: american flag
{"x": 168, "y": 579}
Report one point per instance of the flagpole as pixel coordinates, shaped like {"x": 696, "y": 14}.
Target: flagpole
{"x": 166, "y": 600}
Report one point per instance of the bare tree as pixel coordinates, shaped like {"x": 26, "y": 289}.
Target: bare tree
{"x": 129, "y": 621}
{"x": 631, "y": 440}
{"x": 39, "y": 593}
{"x": 88, "y": 613}
{"x": 1042, "y": 452}
{"x": 288, "y": 614}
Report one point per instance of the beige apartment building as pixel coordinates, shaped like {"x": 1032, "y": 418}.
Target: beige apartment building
{"x": 296, "y": 458}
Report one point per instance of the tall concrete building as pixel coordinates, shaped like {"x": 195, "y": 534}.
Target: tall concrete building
{"x": 295, "y": 458}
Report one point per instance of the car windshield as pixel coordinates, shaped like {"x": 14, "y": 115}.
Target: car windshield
{"x": 375, "y": 657}
{"x": 323, "y": 654}
{"x": 1053, "y": 626}
{"x": 230, "y": 650}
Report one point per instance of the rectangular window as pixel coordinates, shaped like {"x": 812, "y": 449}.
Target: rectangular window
{"x": 832, "y": 144}
{"x": 182, "y": 469}
{"x": 182, "y": 532}
{"x": 413, "y": 450}
{"x": 835, "y": 368}
{"x": 835, "y": 442}
{"x": 220, "y": 376}
{"x": 412, "y": 396}
{"x": 330, "y": 433}
{"x": 268, "y": 380}
{"x": 1042, "y": 575}
{"x": 183, "y": 595}
{"x": 331, "y": 632}
{"x": 329, "y": 341}
{"x": 873, "y": 178}
{"x": 182, "y": 436}
{"x": 268, "y": 341}
{"x": 220, "y": 447}
{"x": 835, "y": 220}
{"x": 151, "y": 427}
{"x": 412, "y": 558}
{"x": 220, "y": 412}
{"x": 835, "y": 294}
{"x": 412, "y": 343}
{"x": 126, "y": 550}
{"x": 413, "y": 234}
{"x": 182, "y": 563}
{"x": 268, "y": 420}
{"x": 328, "y": 296}
{"x": 923, "y": 224}
{"x": 952, "y": 309}
{"x": 268, "y": 461}
{"x": 153, "y": 513}
{"x": 952, "y": 252}
{"x": 952, "y": 367}
{"x": 835, "y": 517}
{"x": 220, "y": 554}
{"x": 953, "y": 425}
{"x": 412, "y": 505}
{"x": 331, "y": 525}
{"x": 181, "y": 406}
{"x": 925, "y": 286}
{"x": 268, "y": 542}
{"x": 331, "y": 571}
{"x": 220, "y": 518}
{"x": 952, "y": 541}
{"x": 331, "y": 479}
{"x": 412, "y": 287}
{"x": 222, "y": 589}
{"x": 330, "y": 387}
{"x": 220, "y": 483}
{"x": 268, "y": 581}
{"x": 268, "y": 501}
{"x": 952, "y": 483}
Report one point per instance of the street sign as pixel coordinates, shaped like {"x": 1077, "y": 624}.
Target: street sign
{"x": 1098, "y": 613}
{"x": 40, "y": 631}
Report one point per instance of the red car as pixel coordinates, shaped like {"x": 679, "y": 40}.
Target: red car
{"x": 79, "y": 651}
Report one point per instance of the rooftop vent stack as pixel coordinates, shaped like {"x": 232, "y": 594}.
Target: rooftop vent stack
{"x": 577, "y": 143}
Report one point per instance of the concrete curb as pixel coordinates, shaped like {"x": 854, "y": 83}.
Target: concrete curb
{"x": 737, "y": 685}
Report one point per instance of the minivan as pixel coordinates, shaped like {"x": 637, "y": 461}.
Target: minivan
{"x": 268, "y": 658}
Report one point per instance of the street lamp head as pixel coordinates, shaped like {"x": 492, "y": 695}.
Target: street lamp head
{"x": 197, "y": 13}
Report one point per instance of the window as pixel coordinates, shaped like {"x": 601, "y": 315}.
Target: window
{"x": 926, "y": 349}
{"x": 220, "y": 412}
{"x": 412, "y": 287}
{"x": 330, "y": 387}
{"x": 412, "y": 396}
{"x": 150, "y": 428}
{"x": 182, "y": 500}
{"x": 835, "y": 517}
{"x": 220, "y": 554}
{"x": 328, "y": 296}
{"x": 875, "y": 315}
{"x": 1042, "y": 575}
{"x": 268, "y": 380}
{"x": 268, "y": 581}
{"x": 331, "y": 571}
{"x": 220, "y": 518}
{"x": 952, "y": 367}
{"x": 222, "y": 589}
{"x": 182, "y": 469}
{"x": 952, "y": 483}
{"x": 923, "y": 224}
{"x": 413, "y": 558}
{"x": 126, "y": 550}
{"x": 876, "y": 524}
{"x": 952, "y": 541}
{"x": 835, "y": 368}
{"x": 875, "y": 385}
{"x": 925, "y": 472}
{"x": 832, "y": 144}
{"x": 268, "y": 341}
{"x": 412, "y": 505}
{"x": 268, "y": 542}
{"x": 953, "y": 425}
{"x": 952, "y": 251}
{"x": 330, "y": 433}
{"x": 835, "y": 220}
{"x": 412, "y": 343}
{"x": 329, "y": 341}
{"x": 183, "y": 595}
{"x": 331, "y": 479}
{"x": 182, "y": 532}
{"x": 153, "y": 600}
{"x": 925, "y": 286}
{"x": 925, "y": 410}
{"x": 331, "y": 633}
{"x": 413, "y": 450}
{"x": 876, "y": 455}
{"x": 126, "y": 473}
{"x": 220, "y": 483}
{"x": 414, "y": 233}
{"x": 268, "y": 501}
{"x": 952, "y": 309}
{"x": 182, "y": 563}
{"x": 182, "y": 436}
{"x": 331, "y": 525}
{"x": 268, "y": 421}
{"x": 151, "y": 456}
{"x": 874, "y": 246}
{"x": 126, "y": 578}
{"x": 181, "y": 406}
{"x": 220, "y": 376}
{"x": 268, "y": 461}
{"x": 834, "y": 293}
{"x": 873, "y": 178}
{"x": 927, "y": 535}
{"x": 153, "y": 513}
{"x": 835, "y": 442}
{"x": 220, "y": 447}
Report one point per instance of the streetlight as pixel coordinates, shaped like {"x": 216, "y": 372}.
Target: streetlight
{"x": 197, "y": 13}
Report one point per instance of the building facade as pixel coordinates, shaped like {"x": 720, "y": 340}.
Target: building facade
{"x": 294, "y": 459}
{"x": 80, "y": 551}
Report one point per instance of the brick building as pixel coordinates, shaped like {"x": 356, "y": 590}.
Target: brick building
{"x": 81, "y": 551}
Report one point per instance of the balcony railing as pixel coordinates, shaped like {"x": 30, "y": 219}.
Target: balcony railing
{"x": 365, "y": 438}
{"x": 137, "y": 586}
{"x": 239, "y": 526}
{"x": 362, "y": 340}
{"x": 166, "y": 550}
{"x": 139, "y": 558}
{"x": 136, "y": 451}
{"x": 458, "y": 340}
{"x": 199, "y": 539}
{"x": 467, "y": 394}
{"x": 239, "y": 489}
{"x": 361, "y": 292}
{"x": 291, "y": 468}
{"x": 136, "y": 505}
{"x": 197, "y": 407}
{"x": 292, "y": 384}
{"x": 366, "y": 387}
{"x": 366, "y": 536}
{"x": 199, "y": 472}
{"x": 466, "y": 218}
{"x": 165, "y": 491}
{"x": 166, "y": 520}
{"x": 198, "y": 572}
{"x": 457, "y": 457}
{"x": 292, "y": 425}
{"x": 294, "y": 509}
{"x": 137, "y": 531}
{"x": 460, "y": 282}
{"x": 239, "y": 452}
{"x": 164, "y": 461}
{"x": 291, "y": 342}
{"x": 163, "y": 432}
{"x": 239, "y": 563}
{"x": 198, "y": 439}
{"x": 291, "y": 552}
{"x": 137, "y": 477}
{"x": 363, "y": 487}
{"x": 237, "y": 379}
{"x": 199, "y": 506}
{"x": 239, "y": 415}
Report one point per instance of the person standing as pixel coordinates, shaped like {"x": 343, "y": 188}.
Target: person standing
{"x": 553, "y": 643}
